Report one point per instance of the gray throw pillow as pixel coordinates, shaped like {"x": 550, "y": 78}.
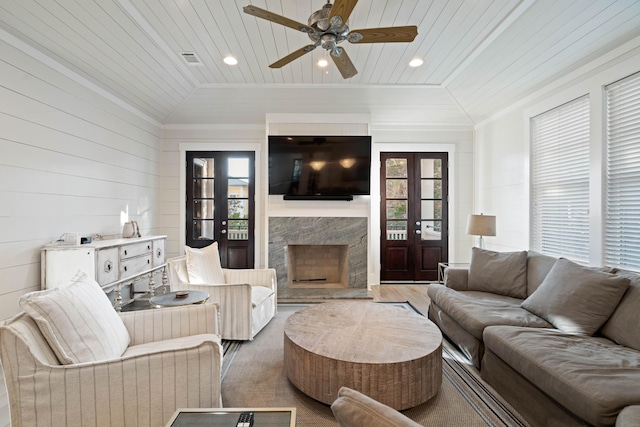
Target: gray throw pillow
{"x": 576, "y": 299}
{"x": 502, "y": 273}
{"x": 622, "y": 326}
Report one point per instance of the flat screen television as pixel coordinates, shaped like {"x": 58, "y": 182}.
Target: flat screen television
{"x": 319, "y": 167}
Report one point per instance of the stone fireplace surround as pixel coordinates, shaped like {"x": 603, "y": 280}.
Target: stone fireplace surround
{"x": 349, "y": 231}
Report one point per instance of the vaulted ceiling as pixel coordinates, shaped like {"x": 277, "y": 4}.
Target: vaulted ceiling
{"x": 479, "y": 55}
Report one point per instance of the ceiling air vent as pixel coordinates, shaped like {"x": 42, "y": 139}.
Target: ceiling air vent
{"x": 191, "y": 58}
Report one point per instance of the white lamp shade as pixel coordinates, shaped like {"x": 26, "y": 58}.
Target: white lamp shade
{"x": 481, "y": 225}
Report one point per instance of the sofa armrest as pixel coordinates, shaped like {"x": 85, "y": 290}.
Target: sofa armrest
{"x": 629, "y": 417}
{"x": 255, "y": 277}
{"x": 456, "y": 278}
{"x": 173, "y": 322}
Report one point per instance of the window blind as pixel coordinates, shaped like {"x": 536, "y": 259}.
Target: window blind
{"x": 622, "y": 223}
{"x": 560, "y": 181}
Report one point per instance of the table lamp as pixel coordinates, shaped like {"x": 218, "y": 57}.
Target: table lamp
{"x": 481, "y": 225}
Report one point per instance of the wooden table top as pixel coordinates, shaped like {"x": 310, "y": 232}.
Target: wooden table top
{"x": 363, "y": 332}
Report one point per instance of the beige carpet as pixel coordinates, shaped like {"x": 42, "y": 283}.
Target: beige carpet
{"x": 254, "y": 376}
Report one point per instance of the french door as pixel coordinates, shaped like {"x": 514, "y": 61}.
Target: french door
{"x": 220, "y": 204}
{"x": 413, "y": 212}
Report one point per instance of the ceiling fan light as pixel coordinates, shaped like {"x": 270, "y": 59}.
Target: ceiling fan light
{"x": 322, "y": 62}
{"x": 230, "y": 60}
{"x": 416, "y": 62}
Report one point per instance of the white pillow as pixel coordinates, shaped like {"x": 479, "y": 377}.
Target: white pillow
{"x": 78, "y": 321}
{"x": 203, "y": 265}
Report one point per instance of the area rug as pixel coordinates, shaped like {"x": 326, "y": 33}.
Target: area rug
{"x": 254, "y": 376}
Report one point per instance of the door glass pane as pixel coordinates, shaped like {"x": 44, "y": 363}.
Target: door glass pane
{"x": 396, "y": 168}
{"x": 238, "y": 208}
{"x": 431, "y": 209}
{"x": 396, "y": 230}
{"x": 202, "y": 168}
{"x": 396, "y": 188}
{"x": 238, "y": 230}
{"x": 203, "y": 188}
{"x": 396, "y": 209}
{"x": 238, "y": 188}
{"x": 431, "y": 230}
{"x": 203, "y": 209}
{"x": 430, "y": 168}
{"x": 203, "y": 230}
{"x": 431, "y": 189}
{"x": 238, "y": 168}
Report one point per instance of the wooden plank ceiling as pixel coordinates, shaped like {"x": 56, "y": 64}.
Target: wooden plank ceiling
{"x": 479, "y": 56}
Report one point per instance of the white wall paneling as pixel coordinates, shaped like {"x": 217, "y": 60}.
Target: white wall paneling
{"x": 71, "y": 160}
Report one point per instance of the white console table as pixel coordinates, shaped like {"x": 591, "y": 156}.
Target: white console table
{"x": 113, "y": 263}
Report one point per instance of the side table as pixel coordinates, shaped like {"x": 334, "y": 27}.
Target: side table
{"x": 171, "y": 299}
{"x": 263, "y": 417}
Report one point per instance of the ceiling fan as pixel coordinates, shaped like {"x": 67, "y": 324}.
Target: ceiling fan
{"x": 327, "y": 28}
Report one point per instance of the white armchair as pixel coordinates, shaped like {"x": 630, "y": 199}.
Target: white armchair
{"x": 247, "y": 300}
{"x": 174, "y": 360}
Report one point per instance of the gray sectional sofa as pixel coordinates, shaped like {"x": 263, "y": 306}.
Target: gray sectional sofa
{"x": 559, "y": 341}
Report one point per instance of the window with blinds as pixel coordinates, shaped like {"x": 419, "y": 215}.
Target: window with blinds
{"x": 560, "y": 181}
{"x": 622, "y": 223}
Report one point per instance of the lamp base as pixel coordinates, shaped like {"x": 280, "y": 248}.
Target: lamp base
{"x": 481, "y": 242}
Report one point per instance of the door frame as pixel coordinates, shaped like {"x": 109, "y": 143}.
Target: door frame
{"x": 224, "y": 146}
{"x": 376, "y": 168}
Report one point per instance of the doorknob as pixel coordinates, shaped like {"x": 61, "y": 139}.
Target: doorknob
{"x": 224, "y": 222}
{"x": 223, "y": 231}
{"x": 418, "y": 223}
{"x": 418, "y": 232}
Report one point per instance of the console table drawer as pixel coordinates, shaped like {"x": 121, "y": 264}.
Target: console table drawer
{"x": 135, "y": 249}
{"x": 131, "y": 267}
{"x": 107, "y": 265}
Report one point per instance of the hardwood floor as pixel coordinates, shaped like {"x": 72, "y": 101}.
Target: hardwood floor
{"x": 415, "y": 294}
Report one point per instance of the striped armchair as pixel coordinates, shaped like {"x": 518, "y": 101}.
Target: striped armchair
{"x": 247, "y": 300}
{"x": 174, "y": 360}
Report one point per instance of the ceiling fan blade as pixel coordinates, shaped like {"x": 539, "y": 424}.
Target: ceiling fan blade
{"x": 293, "y": 55}
{"x": 385, "y": 35}
{"x": 344, "y": 64}
{"x": 343, "y": 9}
{"x": 278, "y": 19}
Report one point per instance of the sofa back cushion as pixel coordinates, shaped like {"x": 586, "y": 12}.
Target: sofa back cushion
{"x": 538, "y": 266}
{"x": 203, "y": 265}
{"x": 502, "y": 273}
{"x": 576, "y": 299}
{"x": 622, "y": 326}
{"x": 78, "y": 321}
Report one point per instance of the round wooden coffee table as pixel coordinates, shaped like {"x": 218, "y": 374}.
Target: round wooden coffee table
{"x": 389, "y": 353}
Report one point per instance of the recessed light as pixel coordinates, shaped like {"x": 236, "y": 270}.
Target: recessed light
{"x": 230, "y": 60}
{"x": 323, "y": 63}
{"x": 416, "y": 62}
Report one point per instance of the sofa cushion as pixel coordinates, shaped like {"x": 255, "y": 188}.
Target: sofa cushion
{"x": 622, "y": 326}
{"x": 259, "y": 294}
{"x": 594, "y": 378}
{"x": 502, "y": 273}
{"x": 538, "y": 266}
{"x": 78, "y": 321}
{"x": 203, "y": 265}
{"x": 576, "y": 299}
{"x": 474, "y": 311}
{"x": 179, "y": 344}
{"x": 354, "y": 409}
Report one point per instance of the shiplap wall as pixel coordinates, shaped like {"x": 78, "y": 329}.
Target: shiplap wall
{"x": 502, "y": 150}
{"x": 70, "y": 160}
